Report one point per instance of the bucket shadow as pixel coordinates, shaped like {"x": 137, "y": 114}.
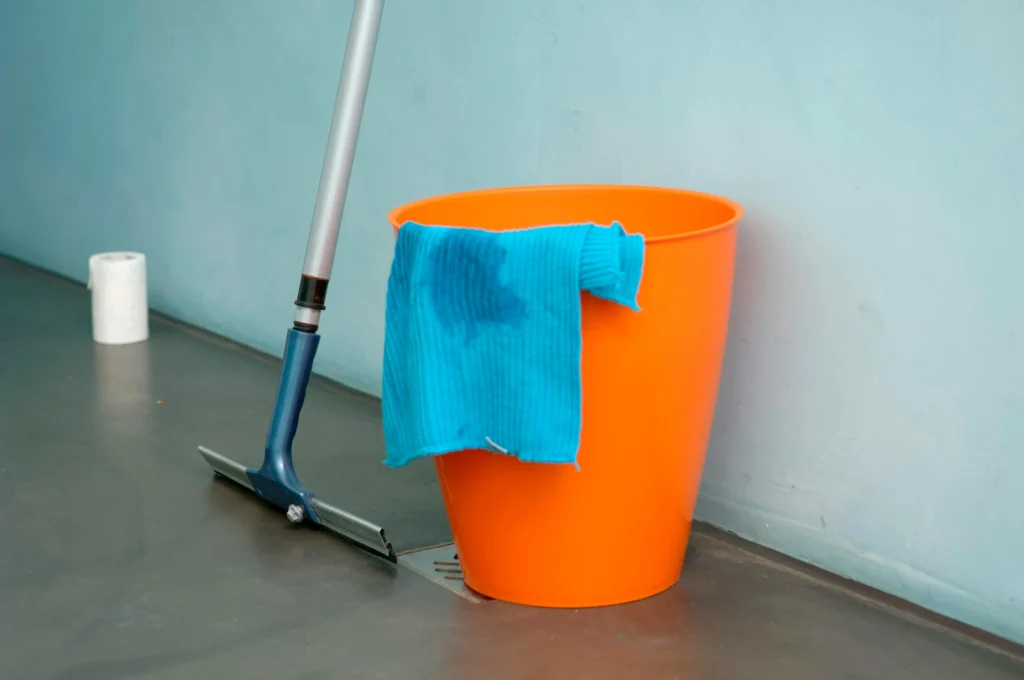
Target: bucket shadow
{"x": 655, "y": 635}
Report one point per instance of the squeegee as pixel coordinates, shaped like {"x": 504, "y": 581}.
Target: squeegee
{"x": 275, "y": 481}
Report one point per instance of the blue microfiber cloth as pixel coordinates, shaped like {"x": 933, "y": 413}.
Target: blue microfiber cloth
{"x": 482, "y": 340}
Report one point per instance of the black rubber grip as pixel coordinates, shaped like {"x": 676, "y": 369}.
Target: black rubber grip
{"x": 312, "y": 293}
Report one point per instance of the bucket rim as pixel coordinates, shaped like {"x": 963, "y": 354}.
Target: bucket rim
{"x": 393, "y": 215}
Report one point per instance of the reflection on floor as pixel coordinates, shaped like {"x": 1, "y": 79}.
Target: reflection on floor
{"x": 121, "y": 557}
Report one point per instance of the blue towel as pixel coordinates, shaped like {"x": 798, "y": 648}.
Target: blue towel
{"x": 482, "y": 340}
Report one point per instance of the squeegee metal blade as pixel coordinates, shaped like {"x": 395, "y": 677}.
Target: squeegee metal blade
{"x": 226, "y": 467}
{"x": 354, "y": 528}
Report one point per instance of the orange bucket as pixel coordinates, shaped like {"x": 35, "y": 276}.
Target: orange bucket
{"x": 616, "y": 530}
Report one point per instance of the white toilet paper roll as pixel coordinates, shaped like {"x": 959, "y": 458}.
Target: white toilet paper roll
{"x": 120, "y": 308}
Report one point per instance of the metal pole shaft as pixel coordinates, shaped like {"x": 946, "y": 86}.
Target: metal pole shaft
{"x": 337, "y": 168}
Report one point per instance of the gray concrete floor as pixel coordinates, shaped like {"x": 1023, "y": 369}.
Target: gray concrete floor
{"x": 121, "y": 557}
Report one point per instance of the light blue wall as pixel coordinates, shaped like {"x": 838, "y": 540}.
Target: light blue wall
{"x": 870, "y": 418}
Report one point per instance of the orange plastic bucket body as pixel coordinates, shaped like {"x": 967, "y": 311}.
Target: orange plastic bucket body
{"x": 615, "y": 530}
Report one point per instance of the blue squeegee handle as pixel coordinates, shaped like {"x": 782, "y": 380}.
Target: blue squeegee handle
{"x": 275, "y": 480}
{"x": 337, "y": 168}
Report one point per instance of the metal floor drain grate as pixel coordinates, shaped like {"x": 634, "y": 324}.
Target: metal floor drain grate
{"x": 441, "y": 565}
